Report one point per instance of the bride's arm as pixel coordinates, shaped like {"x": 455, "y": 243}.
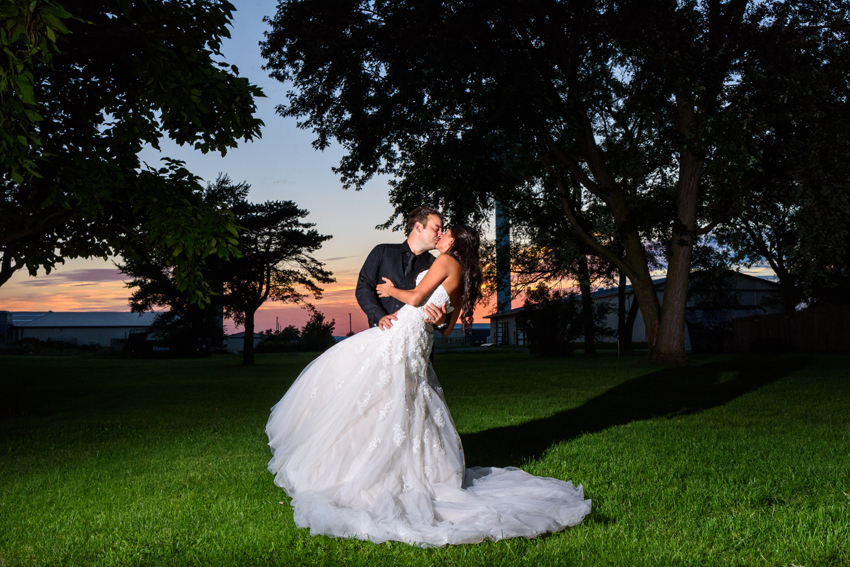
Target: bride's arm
{"x": 453, "y": 316}
{"x": 437, "y": 273}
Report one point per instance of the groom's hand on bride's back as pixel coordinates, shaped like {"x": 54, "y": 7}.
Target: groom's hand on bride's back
{"x": 387, "y": 321}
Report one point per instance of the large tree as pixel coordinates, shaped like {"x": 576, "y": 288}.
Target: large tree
{"x": 620, "y": 105}
{"x": 276, "y": 262}
{"x": 84, "y": 86}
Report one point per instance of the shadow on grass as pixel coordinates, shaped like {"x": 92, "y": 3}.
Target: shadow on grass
{"x": 668, "y": 392}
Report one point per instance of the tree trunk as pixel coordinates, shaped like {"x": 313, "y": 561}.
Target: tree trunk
{"x": 621, "y": 307}
{"x": 217, "y": 302}
{"x": 643, "y": 288}
{"x": 248, "y": 345}
{"x": 630, "y": 326}
{"x": 665, "y": 327}
{"x": 670, "y": 346}
{"x": 586, "y": 306}
{"x": 788, "y": 292}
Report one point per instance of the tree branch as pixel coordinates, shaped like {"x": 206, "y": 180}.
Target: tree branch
{"x": 47, "y": 223}
{"x": 707, "y": 228}
{"x": 6, "y": 268}
{"x": 594, "y": 244}
{"x": 574, "y": 167}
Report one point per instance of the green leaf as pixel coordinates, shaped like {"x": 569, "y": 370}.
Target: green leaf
{"x": 17, "y": 33}
{"x": 25, "y": 90}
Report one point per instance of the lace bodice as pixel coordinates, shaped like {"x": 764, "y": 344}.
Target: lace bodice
{"x": 438, "y": 297}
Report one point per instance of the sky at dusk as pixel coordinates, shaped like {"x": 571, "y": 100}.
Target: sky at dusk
{"x": 282, "y": 165}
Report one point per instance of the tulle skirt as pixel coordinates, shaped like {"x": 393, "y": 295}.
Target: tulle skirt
{"x": 365, "y": 446}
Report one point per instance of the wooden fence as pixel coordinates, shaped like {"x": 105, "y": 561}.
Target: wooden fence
{"x": 821, "y": 327}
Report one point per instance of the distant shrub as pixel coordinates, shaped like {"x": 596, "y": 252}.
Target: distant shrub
{"x": 552, "y": 321}
{"x": 315, "y": 336}
{"x": 285, "y": 340}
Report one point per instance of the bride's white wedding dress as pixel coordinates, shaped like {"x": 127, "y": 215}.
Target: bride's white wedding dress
{"x": 364, "y": 444}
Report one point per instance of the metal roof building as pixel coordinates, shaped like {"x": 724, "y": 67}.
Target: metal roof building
{"x": 104, "y": 328}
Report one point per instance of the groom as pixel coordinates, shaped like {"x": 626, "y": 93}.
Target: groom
{"x": 401, "y": 263}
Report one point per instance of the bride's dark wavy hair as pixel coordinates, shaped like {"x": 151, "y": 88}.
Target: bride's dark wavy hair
{"x": 465, "y": 250}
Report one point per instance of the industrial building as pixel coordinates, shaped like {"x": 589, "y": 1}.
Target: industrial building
{"x": 102, "y": 328}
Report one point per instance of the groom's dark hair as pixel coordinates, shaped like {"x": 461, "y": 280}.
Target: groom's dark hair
{"x": 420, "y": 215}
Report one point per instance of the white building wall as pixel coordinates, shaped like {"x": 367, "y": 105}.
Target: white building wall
{"x": 639, "y": 330}
{"x": 752, "y": 292}
{"x": 503, "y": 330}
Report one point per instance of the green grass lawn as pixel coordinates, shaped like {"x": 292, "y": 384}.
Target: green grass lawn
{"x": 726, "y": 461}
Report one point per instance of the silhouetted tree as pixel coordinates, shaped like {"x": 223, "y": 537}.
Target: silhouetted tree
{"x": 276, "y": 262}
{"x": 317, "y": 334}
{"x": 552, "y": 320}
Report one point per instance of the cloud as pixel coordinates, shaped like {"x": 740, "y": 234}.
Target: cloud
{"x": 36, "y": 283}
{"x": 94, "y": 297}
{"x": 79, "y": 277}
{"x": 92, "y": 289}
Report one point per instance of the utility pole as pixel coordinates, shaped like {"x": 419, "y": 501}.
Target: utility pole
{"x": 501, "y": 333}
{"x": 503, "y": 259}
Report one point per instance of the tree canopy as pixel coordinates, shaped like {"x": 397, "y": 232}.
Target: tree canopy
{"x": 793, "y": 200}
{"x": 84, "y": 86}
{"x": 612, "y": 113}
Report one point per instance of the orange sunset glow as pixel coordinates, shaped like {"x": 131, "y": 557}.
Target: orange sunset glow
{"x": 95, "y": 285}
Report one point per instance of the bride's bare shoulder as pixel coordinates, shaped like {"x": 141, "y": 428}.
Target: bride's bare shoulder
{"x": 447, "y": 261}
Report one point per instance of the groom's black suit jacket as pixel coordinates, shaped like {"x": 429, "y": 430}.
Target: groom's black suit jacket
{"x": 386, "y": 261}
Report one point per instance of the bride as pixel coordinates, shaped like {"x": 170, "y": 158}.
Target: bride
{"x": 365, "y": 446}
